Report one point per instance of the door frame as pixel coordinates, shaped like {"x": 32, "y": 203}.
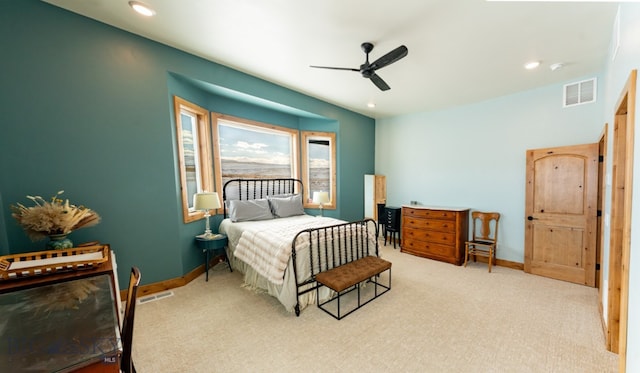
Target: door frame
{"x": 620, "y": 237}
{"x": 602, "y": 162}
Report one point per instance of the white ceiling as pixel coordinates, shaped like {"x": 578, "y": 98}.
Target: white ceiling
{"x": 460, "y": 51}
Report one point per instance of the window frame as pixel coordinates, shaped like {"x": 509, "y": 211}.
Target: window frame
{"x": 317, "y": 135}
{"x": 202, "y": 150}
{"x": 216, "y": 118}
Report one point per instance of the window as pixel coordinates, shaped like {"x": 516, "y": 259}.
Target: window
{"x": 194, "y": 154}
{"x": 233, "y": 148}
{"x": 319, "y": 167}
{"x": 248, "y": 149}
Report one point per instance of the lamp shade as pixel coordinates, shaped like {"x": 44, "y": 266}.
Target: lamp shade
{"x": 206, "y": 201}
{"x": 321, "y": 197}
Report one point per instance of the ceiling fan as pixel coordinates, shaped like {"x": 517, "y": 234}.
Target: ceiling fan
{"x": 368, "y": 70}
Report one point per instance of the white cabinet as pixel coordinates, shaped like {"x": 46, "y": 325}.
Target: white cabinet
{"x": 375, "y": 192}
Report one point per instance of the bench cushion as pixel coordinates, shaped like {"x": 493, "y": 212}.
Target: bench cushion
{"x": 347, "y": 275}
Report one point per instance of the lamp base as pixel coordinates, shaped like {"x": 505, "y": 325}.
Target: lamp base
{"x": 207, "y": 235}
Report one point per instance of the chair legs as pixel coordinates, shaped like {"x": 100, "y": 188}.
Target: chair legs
{"x": 466, "y": 254}
{"x": 490, "y": 257}
{"x": 471, "y": 249}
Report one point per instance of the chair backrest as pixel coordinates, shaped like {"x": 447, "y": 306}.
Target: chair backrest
{"x": 485, "y": 226}
{"x": 126, "y": 363}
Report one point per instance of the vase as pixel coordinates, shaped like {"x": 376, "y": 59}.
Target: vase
{"x": 59, "y": 241}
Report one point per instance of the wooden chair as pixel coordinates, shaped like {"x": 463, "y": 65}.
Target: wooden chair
{"x": 484, "y": 236}
{"x": 126, "y": 363}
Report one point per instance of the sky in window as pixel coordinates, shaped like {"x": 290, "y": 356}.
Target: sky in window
{"x": 319, "y": 155}
{"x": 243, "y": 145}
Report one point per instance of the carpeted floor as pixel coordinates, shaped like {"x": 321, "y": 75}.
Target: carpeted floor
{"x": 437, "y": 318}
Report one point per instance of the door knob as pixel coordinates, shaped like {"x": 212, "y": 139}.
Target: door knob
{"x": 530, "y": 218}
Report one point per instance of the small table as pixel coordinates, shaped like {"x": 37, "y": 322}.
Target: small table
{"x": 214, "y": 245}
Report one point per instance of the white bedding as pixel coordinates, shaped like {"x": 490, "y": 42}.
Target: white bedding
{"x": 266, "y": 245}
{"x": 262, "y": 251}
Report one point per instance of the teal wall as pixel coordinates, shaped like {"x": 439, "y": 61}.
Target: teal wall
{"x": 88, "y": 108}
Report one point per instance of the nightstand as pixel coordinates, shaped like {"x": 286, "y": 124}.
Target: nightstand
{"x": 213, "y": 246}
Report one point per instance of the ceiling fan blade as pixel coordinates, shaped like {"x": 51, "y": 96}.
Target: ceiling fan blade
{"x": 379, "y": 82}
{"x": 389, "y": 58}
{"x": 335, "y": 68}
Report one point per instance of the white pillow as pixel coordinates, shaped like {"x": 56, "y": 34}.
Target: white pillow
{"x": 283, "y": 207}
{"x": 249, "y": 210}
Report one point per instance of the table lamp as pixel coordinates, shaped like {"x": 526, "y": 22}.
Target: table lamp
{"x": 206, "y": 201}
{"x": 321, "y": 198}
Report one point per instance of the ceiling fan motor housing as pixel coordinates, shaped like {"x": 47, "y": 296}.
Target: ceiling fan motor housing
{"x": 367, "y": 47}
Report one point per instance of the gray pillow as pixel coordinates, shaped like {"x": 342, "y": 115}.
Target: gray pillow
{"x": 283, "y": 207}
{"x": 249, "y": 210}
{"x": 281, "y": 195}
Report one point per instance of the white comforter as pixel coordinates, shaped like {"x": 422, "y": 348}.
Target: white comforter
{"x": 266, "y": 245}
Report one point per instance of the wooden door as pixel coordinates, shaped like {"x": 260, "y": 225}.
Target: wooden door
{"x": 560, "y": 216}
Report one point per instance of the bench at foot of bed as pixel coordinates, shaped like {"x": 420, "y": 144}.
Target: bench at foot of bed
{"x": 348, "y": 277}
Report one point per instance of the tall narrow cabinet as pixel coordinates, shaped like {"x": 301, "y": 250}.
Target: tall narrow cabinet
{"x": 375, "y": 192}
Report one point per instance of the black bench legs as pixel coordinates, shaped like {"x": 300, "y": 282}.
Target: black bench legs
{"x": 351, "y": 277}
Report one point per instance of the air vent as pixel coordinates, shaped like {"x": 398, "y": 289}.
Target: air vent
{"x": 583, "y": 92}
{"x": 155, "y": 297}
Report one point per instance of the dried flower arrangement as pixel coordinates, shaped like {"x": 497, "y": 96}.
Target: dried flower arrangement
{"x": 52, "y": 217}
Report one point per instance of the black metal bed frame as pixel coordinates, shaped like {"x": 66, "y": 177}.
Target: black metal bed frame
{"x": 260, "y": 188}
{"x": 329, "y": 246}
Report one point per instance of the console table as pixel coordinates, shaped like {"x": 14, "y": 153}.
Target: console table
{"x": 64, "y": 321}
{"x": 435, "y": 232}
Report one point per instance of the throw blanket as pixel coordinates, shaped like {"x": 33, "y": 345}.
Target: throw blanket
{"x": 266, "y": 245}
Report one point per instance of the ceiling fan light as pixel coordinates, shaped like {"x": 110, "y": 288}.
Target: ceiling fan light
{"x": 531, "y": 65}
{"x": 556, "y": 66}
{"x": 141, "y": 8}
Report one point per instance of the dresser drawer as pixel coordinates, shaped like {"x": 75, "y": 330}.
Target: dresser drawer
{"x": 428, "y": 249}
{"x": 435, "y": 225}
{"x": 430, "y": 214}
{"x": 435, "y": 233}
{"x": 429, "y": 236}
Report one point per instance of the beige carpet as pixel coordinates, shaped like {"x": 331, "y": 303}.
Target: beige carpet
{"x": 437, "y": 318}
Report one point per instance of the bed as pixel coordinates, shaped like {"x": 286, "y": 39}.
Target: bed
{"x": 279, "y": 248}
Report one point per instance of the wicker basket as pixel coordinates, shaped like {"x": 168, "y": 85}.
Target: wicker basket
{"x": 52, "y": 261}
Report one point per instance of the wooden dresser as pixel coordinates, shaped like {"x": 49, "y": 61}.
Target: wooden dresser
{"x": 435, "y": 232}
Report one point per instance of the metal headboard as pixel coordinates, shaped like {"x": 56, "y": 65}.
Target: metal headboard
{"x": 246, "y": 189}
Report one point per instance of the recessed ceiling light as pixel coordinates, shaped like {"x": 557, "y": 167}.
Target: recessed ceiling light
{"x": 531, "y": 65}
{"x": 371, "y": 105}
{"x": 141, "y": 8}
